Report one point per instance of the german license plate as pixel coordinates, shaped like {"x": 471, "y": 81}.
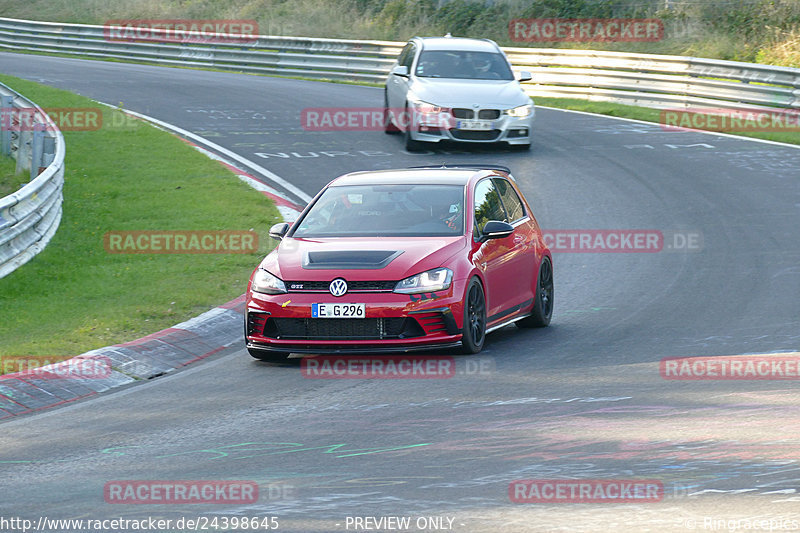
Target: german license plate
{"x": 481, "y": 125}
{"x": 338, "y": 310}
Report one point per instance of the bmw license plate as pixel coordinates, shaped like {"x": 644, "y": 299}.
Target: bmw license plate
{"x": 338, "y": 310}
{"x": 480, "y": 125}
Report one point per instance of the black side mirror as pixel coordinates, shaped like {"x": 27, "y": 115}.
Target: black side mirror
{"x": 494, "y": 229}
{"x": 278, "y": 230}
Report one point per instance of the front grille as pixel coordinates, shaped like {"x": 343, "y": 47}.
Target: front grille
{"x": 343, "y": 328}
{"x": 489, "y": 114}
{"x": 473, "y": 135}
{"x": 352, "y": 286}
{"x": 459, "y": 112}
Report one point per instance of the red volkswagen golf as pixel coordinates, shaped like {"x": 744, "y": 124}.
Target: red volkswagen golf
{"x": 400, "y": 260}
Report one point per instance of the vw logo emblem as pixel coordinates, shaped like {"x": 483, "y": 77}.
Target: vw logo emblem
{"x": 338, "y": 287}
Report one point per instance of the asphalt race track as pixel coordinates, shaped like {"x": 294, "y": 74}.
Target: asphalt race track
{"x": 582, "y": 399}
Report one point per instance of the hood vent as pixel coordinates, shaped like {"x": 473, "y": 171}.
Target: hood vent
{"x": 349, "y": 260}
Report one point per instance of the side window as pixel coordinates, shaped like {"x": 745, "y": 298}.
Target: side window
{"x": 407, "y": 57}
{"x": 487, "y": 204}
{"x": 403, "y": 54}
{"x": 511, "y": 201}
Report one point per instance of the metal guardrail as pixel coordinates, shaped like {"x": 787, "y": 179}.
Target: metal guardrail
{"x": 30, "y": 217}
{"x": 639, "y": 79}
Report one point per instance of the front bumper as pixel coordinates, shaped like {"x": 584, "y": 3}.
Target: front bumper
{"x": 393, "y": 323}
{"x": 506, "y": 129}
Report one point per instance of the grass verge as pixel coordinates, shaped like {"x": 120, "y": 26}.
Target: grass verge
{"x": 126, "y": 176}
{"x": 649, "y": 115}
{"x": 9, "y": 181}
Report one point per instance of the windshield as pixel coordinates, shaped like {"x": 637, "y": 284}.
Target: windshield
{"x": 463, "y": 65}
{"x": 385, "y": 211}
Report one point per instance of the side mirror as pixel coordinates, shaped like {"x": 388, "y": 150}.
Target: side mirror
{"x": 524, "y": 75}
{"x": 278, "y": 230}
{"x": 400, "y": 70}
{"x": 494, "y": 229}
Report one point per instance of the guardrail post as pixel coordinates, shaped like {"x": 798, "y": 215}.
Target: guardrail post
{"x": 37, "y": 148}
{"x": 23, "y": 149}
{"x": 49, "y": 151}
{"x": 6, "y": 115}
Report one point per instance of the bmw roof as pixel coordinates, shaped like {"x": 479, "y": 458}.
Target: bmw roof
{"x": 458, "y": 43}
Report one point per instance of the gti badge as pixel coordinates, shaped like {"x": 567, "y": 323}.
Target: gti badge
{"x": 338, "y": 287}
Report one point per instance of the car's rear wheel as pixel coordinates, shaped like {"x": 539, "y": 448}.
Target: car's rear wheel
{"x": 474, "y": 330}
{"x": 272, "y": 357}
{"x": 542, "y": 310}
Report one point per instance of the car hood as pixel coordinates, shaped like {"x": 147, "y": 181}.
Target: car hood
{"x": 465, "y": 93}
{"x": 380, "y": 258}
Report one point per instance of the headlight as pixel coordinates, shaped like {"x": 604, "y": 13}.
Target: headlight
{"x": 426, "y": 107}
{"x": 265, "y": 282}
{"x": 438, "y": 279}
{"x": 520, "y": 111}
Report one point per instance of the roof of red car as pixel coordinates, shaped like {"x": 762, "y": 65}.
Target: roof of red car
{"x": 439, "y": 176}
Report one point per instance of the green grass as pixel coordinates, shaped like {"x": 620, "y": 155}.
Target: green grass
{"x": 9, "y": 181}
{"x": 74, "y": 296}
{"x": 649, "y": 115}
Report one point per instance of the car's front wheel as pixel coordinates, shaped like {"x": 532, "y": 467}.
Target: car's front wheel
{"x": 542, "y": 310}
{"x": 474, "y": 330}
{"x": 411, "y": 144}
